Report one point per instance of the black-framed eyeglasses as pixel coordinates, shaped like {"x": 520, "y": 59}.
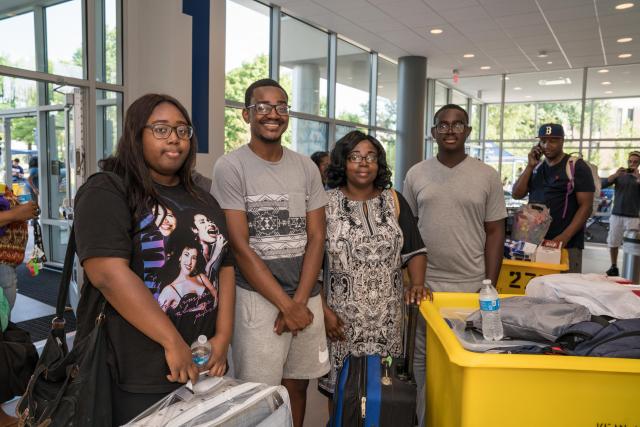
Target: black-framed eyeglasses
{"x": 357, "y": 158}
{"x": 456, "y": 127}
{"x": 265, "y": 108}
{"x": 162, "y": 131}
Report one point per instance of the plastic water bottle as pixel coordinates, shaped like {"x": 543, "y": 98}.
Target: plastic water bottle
{"x": 201, "y": 351}
{"x": 490, "y": 309}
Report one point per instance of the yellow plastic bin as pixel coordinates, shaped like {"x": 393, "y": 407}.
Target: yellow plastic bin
{"x": 467, "y": 389}
{"x": 515, "y": 275}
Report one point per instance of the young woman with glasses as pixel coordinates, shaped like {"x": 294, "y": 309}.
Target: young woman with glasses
{"x": 126, "y": 251}
{"x": 371, "y": 236}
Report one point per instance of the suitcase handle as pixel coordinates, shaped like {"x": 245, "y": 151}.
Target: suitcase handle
{"x": 409, "y": 341}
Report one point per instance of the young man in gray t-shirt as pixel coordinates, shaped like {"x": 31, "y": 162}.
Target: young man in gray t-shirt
{"x": 459, "y": 203}
{"x": 274, "y": 201}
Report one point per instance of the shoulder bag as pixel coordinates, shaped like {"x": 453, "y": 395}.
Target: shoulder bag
{"x": 69, "y": 387}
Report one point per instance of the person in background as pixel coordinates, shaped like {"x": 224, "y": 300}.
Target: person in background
{"x": 17, "y": 173}
{"x": 33, "y": 178}
{"x": 371, "y": 236}
{"x": 321, "y": 159}
{"x": 460, "y": 206}
{"x": 123, "y": 253}
{"x": 274, "y": 203}
{"x": 626, "y": 206}
{"x": 14, "y": 234}
{"x": 570, "y": 201}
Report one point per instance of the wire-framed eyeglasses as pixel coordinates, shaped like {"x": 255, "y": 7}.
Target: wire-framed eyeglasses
{"x": 162, "y": 131}
{"x": 358, "y": 158}
{"x": 265, "y": 108}
{"x": 455, "y": 127}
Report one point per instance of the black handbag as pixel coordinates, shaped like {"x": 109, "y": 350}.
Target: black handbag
{"x": 18, "y": 358}
{"x": 70, "y": 388}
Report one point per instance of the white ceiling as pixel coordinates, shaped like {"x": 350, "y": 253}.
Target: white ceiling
{"x": 503, "y": 34}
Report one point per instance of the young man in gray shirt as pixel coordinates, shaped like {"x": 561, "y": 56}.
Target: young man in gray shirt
{"x": 459, "y": 203}
{"x": 273, "y": 200}
{"x": 626, "y": 206}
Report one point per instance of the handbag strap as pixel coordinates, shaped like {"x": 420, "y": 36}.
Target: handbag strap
{"x": 65, "y": 279}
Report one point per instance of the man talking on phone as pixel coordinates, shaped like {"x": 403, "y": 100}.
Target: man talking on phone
{"x": 570, "y": 200}
{"x": 626, "y": 206}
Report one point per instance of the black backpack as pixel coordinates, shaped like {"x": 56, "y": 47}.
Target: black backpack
{"x": 618, "y": 338}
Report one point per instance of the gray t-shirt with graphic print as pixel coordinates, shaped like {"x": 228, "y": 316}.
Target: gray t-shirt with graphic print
{"x": 276, "y": 197}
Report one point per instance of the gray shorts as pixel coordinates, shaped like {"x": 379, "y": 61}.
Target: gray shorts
{"x": 260, "y": 355}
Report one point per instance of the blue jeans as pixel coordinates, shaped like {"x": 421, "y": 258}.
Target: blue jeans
{"x": 9, "y": 283}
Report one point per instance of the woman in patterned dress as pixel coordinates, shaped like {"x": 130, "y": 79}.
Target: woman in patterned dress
{"x": 371, "y": 236}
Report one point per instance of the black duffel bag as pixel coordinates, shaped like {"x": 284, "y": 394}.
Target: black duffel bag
{"x": 18, "y": 358}
{"x": 69, "y": 388}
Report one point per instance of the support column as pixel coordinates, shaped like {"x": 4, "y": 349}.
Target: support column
{"x": 412, "y": 85}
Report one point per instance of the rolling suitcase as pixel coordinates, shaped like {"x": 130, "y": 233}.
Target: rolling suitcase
{"x": 376, "y": 391}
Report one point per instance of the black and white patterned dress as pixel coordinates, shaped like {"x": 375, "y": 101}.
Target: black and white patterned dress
{"x": 366, "y": 248}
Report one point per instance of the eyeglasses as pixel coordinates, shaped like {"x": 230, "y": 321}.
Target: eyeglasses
{"x": 265, "y": 108}
{"x": 456, "y": 127}
{"x": 161, "y": 131}
{"x": 358, "y": 158}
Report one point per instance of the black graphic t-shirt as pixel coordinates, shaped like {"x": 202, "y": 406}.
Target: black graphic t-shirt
{"x": 177, "y": 250}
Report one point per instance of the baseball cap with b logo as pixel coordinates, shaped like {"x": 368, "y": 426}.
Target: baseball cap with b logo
{"x": 551, "y": 130}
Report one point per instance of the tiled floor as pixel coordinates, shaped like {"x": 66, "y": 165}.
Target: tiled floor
{"x": 595, "y": 260}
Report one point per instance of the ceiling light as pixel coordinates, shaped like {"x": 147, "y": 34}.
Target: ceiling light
{"x": 380, "y": 87}
{"x": 605, "y": 83}
{"x": 608, "y": 92}
{"x": 436, "y": 31}
{"x": 542, "y": 54}
{"x": 624, "y": 40}
{"x": 468, "y": 55}
{"x": 624, "y": 55}
{"x": 602, "y": 71}
{"x": 527, "y": 96}
{"x": 485, "y": 67}
{"x": 517, "y": 88}
{"x": 623, "y": 6}
{"x": 507, "y": 78}
{"x": 549, "y": 62}
{"x": 557, "y": 82}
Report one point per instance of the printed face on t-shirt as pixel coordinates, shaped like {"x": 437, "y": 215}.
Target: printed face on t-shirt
{"x": 188, "y": 260}
{"x": 167, "y": 224}
{"x": 205, "y": 229}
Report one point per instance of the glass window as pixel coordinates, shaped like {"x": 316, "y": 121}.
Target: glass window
{"x": 17, "y": 93}
{"x": 18, "y": 46}
{"x": 476, "y": 110}
{"x": 352, "y": 86}
{"x": 56, "y": 94}
{"x": 386, "y": 101}
{"x": 459, "y": 99}
{"x": 65, "y": 55}
{"x": 236, "y": 131}
{"x": 108, "y": 122}
{"x": 108, "y": 42}
{"x": 342, "y": 131}
{"x": 56, "y": 167}
{"x": 440, "y": 97}
{"x": 608, "y": 156}
{"x": 305, "y": 136}
{"x": 614, "y": 118}
{"x": 388, "y": 141}
{"x": 304, "y": 53}
{"x": 247, "y": 46}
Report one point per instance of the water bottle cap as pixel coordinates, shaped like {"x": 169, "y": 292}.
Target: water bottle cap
{"x": 486, "y": 282}
{"x": 202, "y": 339}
